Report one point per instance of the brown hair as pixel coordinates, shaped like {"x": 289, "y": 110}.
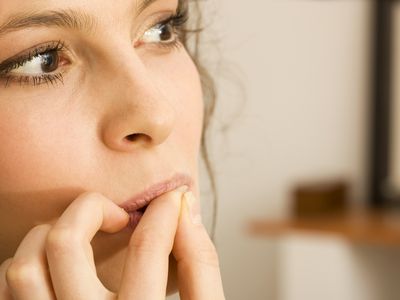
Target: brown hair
{"x": 209, "y": 92}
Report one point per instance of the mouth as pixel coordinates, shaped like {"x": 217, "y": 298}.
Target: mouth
{"x": 137, "y": 205}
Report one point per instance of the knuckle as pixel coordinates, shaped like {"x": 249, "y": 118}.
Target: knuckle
{"x": 21, "y": 272}
{"x": 200, "y": 253}
{"x": 91, "y": 197}
{"x": 60, "y": 240}
{"x": 207, "y": 255}
{"x": 91, "y": 200}
{"x": 40, "y": 229}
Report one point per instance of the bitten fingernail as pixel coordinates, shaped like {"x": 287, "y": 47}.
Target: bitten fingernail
{"x": 194, "y": 214}
{"x": 182, "y": 188}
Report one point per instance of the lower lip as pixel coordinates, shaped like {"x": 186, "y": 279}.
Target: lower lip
{"x": 134, "y": 218}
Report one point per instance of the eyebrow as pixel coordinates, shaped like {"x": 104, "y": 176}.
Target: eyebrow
{"x": 72, "y": 19}
{"x": 69, "y": 18}
{"x": 143, "y": 5}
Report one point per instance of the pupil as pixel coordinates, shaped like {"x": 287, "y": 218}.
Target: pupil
{"x": 49, "y": 61}
{"x": 166, "y": 33}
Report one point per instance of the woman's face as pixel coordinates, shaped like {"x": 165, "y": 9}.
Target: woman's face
{"x": 104, "y": 103}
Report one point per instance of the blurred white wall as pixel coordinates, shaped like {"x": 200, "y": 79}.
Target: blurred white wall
{"x": 305, "y": 65}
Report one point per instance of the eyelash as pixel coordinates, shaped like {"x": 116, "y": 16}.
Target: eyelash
{"x": 12, "y": 64}
{"x": 176, "y": 22}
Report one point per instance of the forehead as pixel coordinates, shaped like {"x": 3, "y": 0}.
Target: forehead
{"x": 83, "y": 13}
{"x": 98, "y": 7}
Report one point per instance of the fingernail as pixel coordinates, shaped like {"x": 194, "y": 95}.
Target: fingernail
{"x": 182, "y": 188}
{"x": 194, "y": 214}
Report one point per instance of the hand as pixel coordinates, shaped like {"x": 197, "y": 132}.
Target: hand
{"x": 56, "y": 262}
{"x": 199, "y": 276}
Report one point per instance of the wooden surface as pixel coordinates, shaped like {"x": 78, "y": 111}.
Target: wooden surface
{"x": 360, "y": 226}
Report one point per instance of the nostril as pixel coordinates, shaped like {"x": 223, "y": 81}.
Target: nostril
{"x": 135, "y": 137}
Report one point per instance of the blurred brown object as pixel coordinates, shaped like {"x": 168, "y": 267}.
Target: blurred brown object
{"x": 320, "y": 198}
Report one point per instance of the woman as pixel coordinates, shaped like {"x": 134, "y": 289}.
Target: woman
{"x": 101, "y": 116}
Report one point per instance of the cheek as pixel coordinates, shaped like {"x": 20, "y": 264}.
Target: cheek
{"x": 35, "y": 143}
{"x": 191, "y": 116}
{"x": 23, "y": 147}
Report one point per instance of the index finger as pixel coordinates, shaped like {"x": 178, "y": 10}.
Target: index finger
{"x": 199, "y": 276}
{"x": 145, "y": 273}
{"x": 68, "y": 249}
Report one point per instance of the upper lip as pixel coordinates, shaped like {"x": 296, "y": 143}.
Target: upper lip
{"x": 143, "y": 198}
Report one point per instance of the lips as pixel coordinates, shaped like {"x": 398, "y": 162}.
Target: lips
{"x": 142, "y": 199}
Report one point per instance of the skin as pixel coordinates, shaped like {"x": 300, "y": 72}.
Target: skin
{"x": 66, "y": 163}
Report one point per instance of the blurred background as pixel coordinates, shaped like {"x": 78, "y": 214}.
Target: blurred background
{"x": 303, "y": 146}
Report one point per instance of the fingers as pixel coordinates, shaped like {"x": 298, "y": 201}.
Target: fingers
{"x": 5, "y": 293}
{"x": 27, "y": 273}
{"x": 68, "y": 248}
{"x": 198, "y": 270}
{"x": 146, "y": 270}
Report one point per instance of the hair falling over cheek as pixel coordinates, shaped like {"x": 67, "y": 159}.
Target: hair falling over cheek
{"x": 209, "y": 94}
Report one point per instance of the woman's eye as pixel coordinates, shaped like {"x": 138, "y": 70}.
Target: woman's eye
{"x": 41, "y": 63}
{"x": 161, "y": 33}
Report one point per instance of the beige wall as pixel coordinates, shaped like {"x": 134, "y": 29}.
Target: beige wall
{"x": 306, "y": 73}
{"x": 394, "y": 178}
{"x": 305, "y": 67}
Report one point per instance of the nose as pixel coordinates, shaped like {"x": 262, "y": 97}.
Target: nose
{"x": 138, "y": 113}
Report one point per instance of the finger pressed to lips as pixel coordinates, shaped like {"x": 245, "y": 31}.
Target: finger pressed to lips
{"x": 57, "y": 261}
{"x": 71, "y": 270}
{"x": 145, "y": 273}
{"x": 197, "y": 259}
{"x": 68, "y": 248}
